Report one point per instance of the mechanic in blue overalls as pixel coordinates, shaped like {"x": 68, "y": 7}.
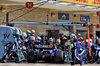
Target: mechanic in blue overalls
{"x": 98, "y": 54}
{"x": 58, "y": 41}
{"x": 13, "y": 52}
{"x": 43, "y": 39}
{"x": 76, "y": 51}
{"x": 24, "y": 40}
{"x": 38, "y": 40}
{"x": 82, "y": 46}
{"x": 27, "y": 41}
{"x": 86, "y": 41}
{"x": 28, "y": 32}
{"x": 51, "y": 41}
{"x": 83, "y": 51}
{"x": 7, "y": 51}
{"x": 97, "y": 48}
{"x": 32, "y": 42}
{"x": 33, "y": 33}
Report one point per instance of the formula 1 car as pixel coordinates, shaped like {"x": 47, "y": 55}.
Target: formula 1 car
{"x": 46, "y": 53}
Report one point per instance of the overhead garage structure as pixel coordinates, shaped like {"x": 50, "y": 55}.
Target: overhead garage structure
{"x": 56, "y": 9}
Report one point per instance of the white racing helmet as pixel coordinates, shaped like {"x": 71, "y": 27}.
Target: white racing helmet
{"x": 38, "y": 38}
{"x": 79, "y": 34}
{"x": 28, "y": 32}
{"x": 32, "y": 31}
{"x": 24, "y": 35}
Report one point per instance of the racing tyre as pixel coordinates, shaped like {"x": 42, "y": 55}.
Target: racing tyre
{"x": 59, "y": 56}
{"x": 31, "y": 58}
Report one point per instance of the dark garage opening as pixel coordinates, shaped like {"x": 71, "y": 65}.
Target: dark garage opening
{"x": 98, "y": 33}
{"x": 53, "y": 34}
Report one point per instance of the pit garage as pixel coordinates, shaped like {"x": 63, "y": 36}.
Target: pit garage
{"x": 43, "y": 14}
{"x": 77, "y": 13}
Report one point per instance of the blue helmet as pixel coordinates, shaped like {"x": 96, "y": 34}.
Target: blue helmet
{"x": 38, "y": 38}
{"x": 72, "y": 35}
{"x": 18, "y": 31}
{"x": 90, "y": 42}
{"x": 24, "y": 35}
{"x": 87, "y": 40}
{"x": 32, "y": 31}
{"x": 28, "y": 32}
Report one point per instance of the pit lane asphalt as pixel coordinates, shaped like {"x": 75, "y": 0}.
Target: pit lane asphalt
{"x": 43, "y": 64}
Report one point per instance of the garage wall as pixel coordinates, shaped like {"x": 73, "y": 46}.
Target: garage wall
{"x": 39, "y": 15}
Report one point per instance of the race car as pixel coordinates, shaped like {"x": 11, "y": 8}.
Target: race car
{"x": 46, "y": 53}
